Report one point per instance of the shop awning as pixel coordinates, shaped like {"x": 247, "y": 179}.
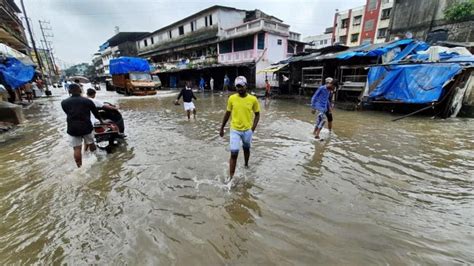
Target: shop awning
{"x": 272, "y": 69}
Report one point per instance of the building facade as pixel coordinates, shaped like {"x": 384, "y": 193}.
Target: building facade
{"x": 364, "y": 24}
{"x": 12, "y": 32}
{"x": 217, "y": 41}
{"x": 121, "y": 44}
{"x": 420, "y": 19}
{"x": 319, "y": 41}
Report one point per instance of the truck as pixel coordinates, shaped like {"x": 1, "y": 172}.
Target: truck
{"x": 131, "y": 76}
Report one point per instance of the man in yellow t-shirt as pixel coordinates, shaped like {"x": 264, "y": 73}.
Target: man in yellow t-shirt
{"x": 240, "y": 107}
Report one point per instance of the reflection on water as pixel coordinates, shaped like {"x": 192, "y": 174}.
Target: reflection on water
{"x": 374, "y": 191}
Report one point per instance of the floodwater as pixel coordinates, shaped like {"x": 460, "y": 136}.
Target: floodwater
{"x": 373, "y": 192}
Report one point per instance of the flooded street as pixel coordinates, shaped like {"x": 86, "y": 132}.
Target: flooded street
{"x": 374, "y": 192}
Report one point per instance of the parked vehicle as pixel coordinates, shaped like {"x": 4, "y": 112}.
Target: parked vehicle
{"x": 131, "y": 76}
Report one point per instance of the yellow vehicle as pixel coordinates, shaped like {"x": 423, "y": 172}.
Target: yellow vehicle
{"x": 134, "y": 83}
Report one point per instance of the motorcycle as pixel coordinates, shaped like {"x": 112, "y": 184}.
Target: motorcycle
{"x": 111, "y": 132}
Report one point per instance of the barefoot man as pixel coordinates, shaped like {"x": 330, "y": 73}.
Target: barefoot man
{"x": 240, "y": 107}
{"x": 79, "y": 127}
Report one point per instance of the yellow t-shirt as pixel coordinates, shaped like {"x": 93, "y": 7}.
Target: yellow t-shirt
{"x": 241, "y": 111}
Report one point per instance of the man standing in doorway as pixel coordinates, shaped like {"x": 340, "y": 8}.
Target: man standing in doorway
{"x": 202, "y": 84}
{"x": 79, "y": 127}
{"x": 321, "y": 104}
{"x": 211, "y": 84}
{"x": 240, "y": 107}
{"x": 226, "y": 83}
{"x": 188, "y": 97}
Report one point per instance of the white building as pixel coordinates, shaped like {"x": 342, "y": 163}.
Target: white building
{"x": 319, "y": 41}
{"x": 216, "y": 41}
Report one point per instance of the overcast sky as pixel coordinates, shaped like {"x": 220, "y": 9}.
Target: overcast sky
{"x": 80, "y": 26}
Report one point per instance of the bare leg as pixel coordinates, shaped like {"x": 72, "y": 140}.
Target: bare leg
{"x": 188, "y": 112}
{"x": 330, "y": 126}
{"x": 246, "y": 156}
{"x": 92, "y": 147}
{"x": 78, "y": 156}
{"x": 316, "y": 132}
{"x": 194, "y": 113}
{"x": 232, "y": 164}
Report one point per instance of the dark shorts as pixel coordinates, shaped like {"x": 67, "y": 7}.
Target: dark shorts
{"x": 329, "y": 116}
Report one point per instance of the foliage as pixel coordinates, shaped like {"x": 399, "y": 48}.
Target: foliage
{"x": 459, "y": 11}
{"x": 82, "y": 69}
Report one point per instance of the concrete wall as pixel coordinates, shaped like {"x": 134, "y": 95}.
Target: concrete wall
{"x": 420, "y": 17}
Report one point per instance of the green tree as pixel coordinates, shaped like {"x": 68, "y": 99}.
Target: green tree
{"x": 460, "y": 11}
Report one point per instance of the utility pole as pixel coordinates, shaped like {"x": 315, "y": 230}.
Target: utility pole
{"x": 38, "y": 57}
{"x": 47, "y": 44}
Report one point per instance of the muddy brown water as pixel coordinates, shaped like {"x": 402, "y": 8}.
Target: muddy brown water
{"x": 374, "y": 192}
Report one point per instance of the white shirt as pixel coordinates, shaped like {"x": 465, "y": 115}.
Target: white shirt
{"x": 98, "y": 104}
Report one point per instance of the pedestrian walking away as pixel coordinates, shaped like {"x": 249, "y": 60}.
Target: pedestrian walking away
{"x": 240, "y": 107}
{"x": 321, "y": 106}
{"x": 188, "y": 96}
{"x": 79, "y": 127}
{"x": 29, "y": 92}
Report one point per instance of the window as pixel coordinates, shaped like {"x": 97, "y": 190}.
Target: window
{"x": 261, "y": 41}
{"x": 279, "y": 41}
{"x": 372, "y": 4}
{"x": 193, "y": 25}
{"x": 382, "y": 33}
{"x": 344, "y": 23}
{"x": 369, "y": 25}
{"x": 225, "y": 47}
{"x": 244, "y": 43}
{"x": 170, "y": 34}
{"x": 146, "y": 43}
{"x": 386, "y": 13}
{"x": 152, "y": 40}
{"x": 208, "y": 20}
{"x": 343, "y": 39}
{"x": 357, "y": 21}
{"x": 321, "y": 42}
{"x": 367, "y": 41}
{"x": 355, "y": 37}
{"x": 181, "y": 30}
{"x": 325, "y": 41}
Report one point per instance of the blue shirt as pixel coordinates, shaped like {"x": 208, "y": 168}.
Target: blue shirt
{"x": 320, "y": 99}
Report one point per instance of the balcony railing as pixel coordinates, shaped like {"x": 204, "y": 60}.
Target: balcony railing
{"x": 256, "y": 26}
{"x": 9, "y": 12}
{"x": 240, "y": 57}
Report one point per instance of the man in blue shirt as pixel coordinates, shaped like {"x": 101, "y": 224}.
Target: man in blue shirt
{"x": 321, "y": 103}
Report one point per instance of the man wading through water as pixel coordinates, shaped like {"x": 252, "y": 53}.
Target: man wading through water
{"x": 240, "y": 107}
{"x": 188, "y": 97}
{"x": 321, "y": 103}
{"x": 79, "y": 127}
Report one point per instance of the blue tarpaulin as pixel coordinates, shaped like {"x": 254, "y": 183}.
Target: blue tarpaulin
{"x": 125, "y": 65}
{"x": 415, "y": 83}
{"x": 365, "y": 50}
{"x": 15, "y": 73}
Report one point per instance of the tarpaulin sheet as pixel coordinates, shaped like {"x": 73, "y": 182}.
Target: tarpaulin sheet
{"x": 417, "y": 83}
{"x": 15, "y": 73}
{"x": 125, "y": 65}
{"x": 366, "y": 51}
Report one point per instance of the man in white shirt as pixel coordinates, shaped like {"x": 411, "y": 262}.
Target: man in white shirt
{"x": 99, "y": 104}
